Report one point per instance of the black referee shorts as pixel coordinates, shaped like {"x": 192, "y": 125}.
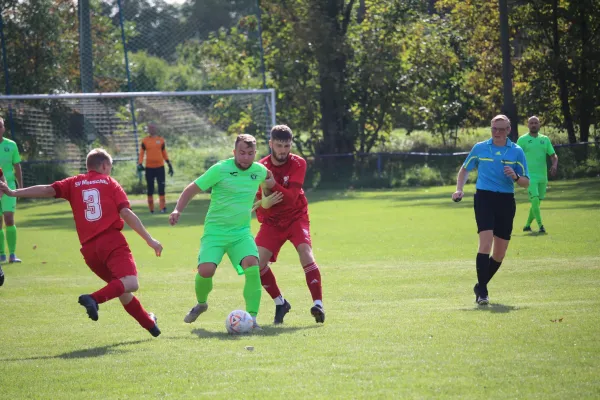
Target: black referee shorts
{"x": 495, "y": 212}
{"x": 159, "y": 175}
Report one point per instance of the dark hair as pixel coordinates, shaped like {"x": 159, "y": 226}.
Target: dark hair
{"x": 95, "y": 158}
{"x": 281, "y": 132}
{"x": 248, "y": 139}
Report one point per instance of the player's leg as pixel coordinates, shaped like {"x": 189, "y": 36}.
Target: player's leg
{"x": 160, "y": 178}
{"x": 269, "y": 241}
{"x": 9, "y": 206}
{"x": 534, "y": 198}
{"x": 244, "y": 252}
{"x": 2, "y": 236}
{"x": 484, "y": 216}
{"x": 212, "y": 249}
{"x": 542, "y": 186}
{"x": 150, "y": 174}
{"x": 300, "y": 238}
{"x": 505, "y": 215}
{"x": 122, "y": 266}
{"x": 532, "y": 192}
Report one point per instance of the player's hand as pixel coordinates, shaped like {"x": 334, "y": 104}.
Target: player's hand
{"x": 269, "y": 201}
{"x": 170, "y": 170}
{"x": 553, "y": 170}
{"x": 508, "y": 171}
{"x": 255, "y": 205}
{"x": 174, "y": 217}
{"x": 140, "y": 167}
{"x": 3, "y": 187}
{"x": 457, "y": 196}
{"x": 155, "y": 244}
{"x": 269, "y": 180}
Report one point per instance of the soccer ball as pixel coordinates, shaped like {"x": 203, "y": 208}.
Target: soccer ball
{"x": 239, "y": 322}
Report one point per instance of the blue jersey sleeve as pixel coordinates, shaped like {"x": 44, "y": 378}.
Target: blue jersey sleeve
{"x": 521, "y": 166}
{"x": 472, "y": 160}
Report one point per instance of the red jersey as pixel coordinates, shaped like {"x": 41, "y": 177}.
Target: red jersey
{"x": 96, "y": 201}
{"x": 289, "y": 179}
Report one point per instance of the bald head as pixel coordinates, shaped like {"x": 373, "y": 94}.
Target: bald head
{"x": 533, "y": 123}
{"x": 152, "y": 129}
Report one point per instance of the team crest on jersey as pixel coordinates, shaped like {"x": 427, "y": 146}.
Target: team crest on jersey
{"x": 253, "y": 176}
{"x": 541, "y": 142}
{"x": 6, "y": 149}
{"x": 286, "y": 180}
{"x": 158, "y": 142}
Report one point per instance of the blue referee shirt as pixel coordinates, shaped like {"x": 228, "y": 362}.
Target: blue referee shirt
{"x": 490, "y": 161}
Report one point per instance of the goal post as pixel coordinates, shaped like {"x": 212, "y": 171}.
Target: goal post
{"x": 55, "y": 131}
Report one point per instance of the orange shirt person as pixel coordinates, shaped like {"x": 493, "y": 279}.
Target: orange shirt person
{"x": 155, "y": 149}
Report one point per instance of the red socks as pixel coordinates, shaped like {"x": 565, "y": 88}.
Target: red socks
{"x": 114, "y": 289}
{"x": 313, "y": 280}
{"x": 268, "y": 281}
{"x": 135, "y": 309}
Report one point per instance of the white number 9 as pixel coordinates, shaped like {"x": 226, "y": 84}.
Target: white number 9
{"x": 91, "y": 197}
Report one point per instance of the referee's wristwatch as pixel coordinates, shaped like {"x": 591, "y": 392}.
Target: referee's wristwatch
{"x": 518, "y": 177}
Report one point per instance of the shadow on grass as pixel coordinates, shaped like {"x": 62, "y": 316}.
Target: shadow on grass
{"x": 267, "y": 331}
{"x": 85, "y": 353}
{"x": 495, "y": 308}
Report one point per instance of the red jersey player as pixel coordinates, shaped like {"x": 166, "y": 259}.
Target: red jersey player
{"x": 285, "y": 221}
{"x": 99, "y": 206}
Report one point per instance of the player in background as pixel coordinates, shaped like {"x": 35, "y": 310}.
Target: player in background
{"x": 500, "y": 164}
{"x": 285, "y": 221}
{"x": 2, "y": 272}
{"x": 536, "y": 147}
{"x": 99, "y": 206}
{"x": 10, "y": 162}
{"x": 154, "y": 147}
{"x": 234, "y": 183}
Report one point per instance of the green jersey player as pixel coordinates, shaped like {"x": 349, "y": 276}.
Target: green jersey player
{"x": 10, "y": 162}
{"x": 537, "y": 147}
{"x": 234, "y": 183}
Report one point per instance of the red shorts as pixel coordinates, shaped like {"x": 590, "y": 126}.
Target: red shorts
{"x": 273, "y": 238}
{"x": 109, "y": 256}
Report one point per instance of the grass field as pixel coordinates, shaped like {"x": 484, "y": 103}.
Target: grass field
{"x": 398, "y": 271}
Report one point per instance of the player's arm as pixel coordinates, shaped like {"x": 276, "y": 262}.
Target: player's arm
{"x": 520, "y": 174}
{"x": 18, "y": 174}
{"x": 296, "y": 180}
{"x": 31, "y": 192}
{"x": 188, "y": 194}
{"x": 461, "y": 180}
{"x": 554, "y": 167}
{"x": 134, "y": 223}
{"x": 165, "y": 156}
{"x": 140, "y": 166}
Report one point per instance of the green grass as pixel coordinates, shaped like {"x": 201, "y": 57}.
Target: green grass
{"x": 398, "y": 271}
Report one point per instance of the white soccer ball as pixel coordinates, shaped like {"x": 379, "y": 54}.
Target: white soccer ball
{"x": 239, "y": 322}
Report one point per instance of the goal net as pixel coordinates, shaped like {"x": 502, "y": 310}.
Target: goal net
{"x": 55, "y": 132}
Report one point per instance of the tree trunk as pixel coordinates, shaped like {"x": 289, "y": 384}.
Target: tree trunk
{"x": 331, "y": 19}
{"x": 509, "y": 108}
{"x": 561, "y": 76}
{"x": 586, "y": 103}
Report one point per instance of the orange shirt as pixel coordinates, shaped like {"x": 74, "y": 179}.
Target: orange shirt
{"x": 156, "y": 151}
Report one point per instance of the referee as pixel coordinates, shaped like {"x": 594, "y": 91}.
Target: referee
{"x": 156, "y": 155}
{"x": 501, "y": 164}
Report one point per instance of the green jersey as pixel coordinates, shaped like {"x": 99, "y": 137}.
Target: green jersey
{"x": 232, "y": 196}
{"x": 536, "y": 149}
{"x": 9, "y": 156}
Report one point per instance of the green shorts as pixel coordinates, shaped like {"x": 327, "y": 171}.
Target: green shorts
{"x": 537, "y": 189}
{"x": 8, "y": 204}
{"x": 237, "y": 247}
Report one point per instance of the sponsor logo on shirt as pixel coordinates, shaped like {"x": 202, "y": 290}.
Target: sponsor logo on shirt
{"x": 86, "y": 182}
{"x": 233, "y": 173}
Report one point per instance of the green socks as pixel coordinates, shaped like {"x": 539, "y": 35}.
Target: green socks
{"x": 252, "y": 289}
{"x": 535, "y": 212}
{"x": 2, "y": 248}
{"x": 203, "y": 288}
{"x": 11, "y": 238}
